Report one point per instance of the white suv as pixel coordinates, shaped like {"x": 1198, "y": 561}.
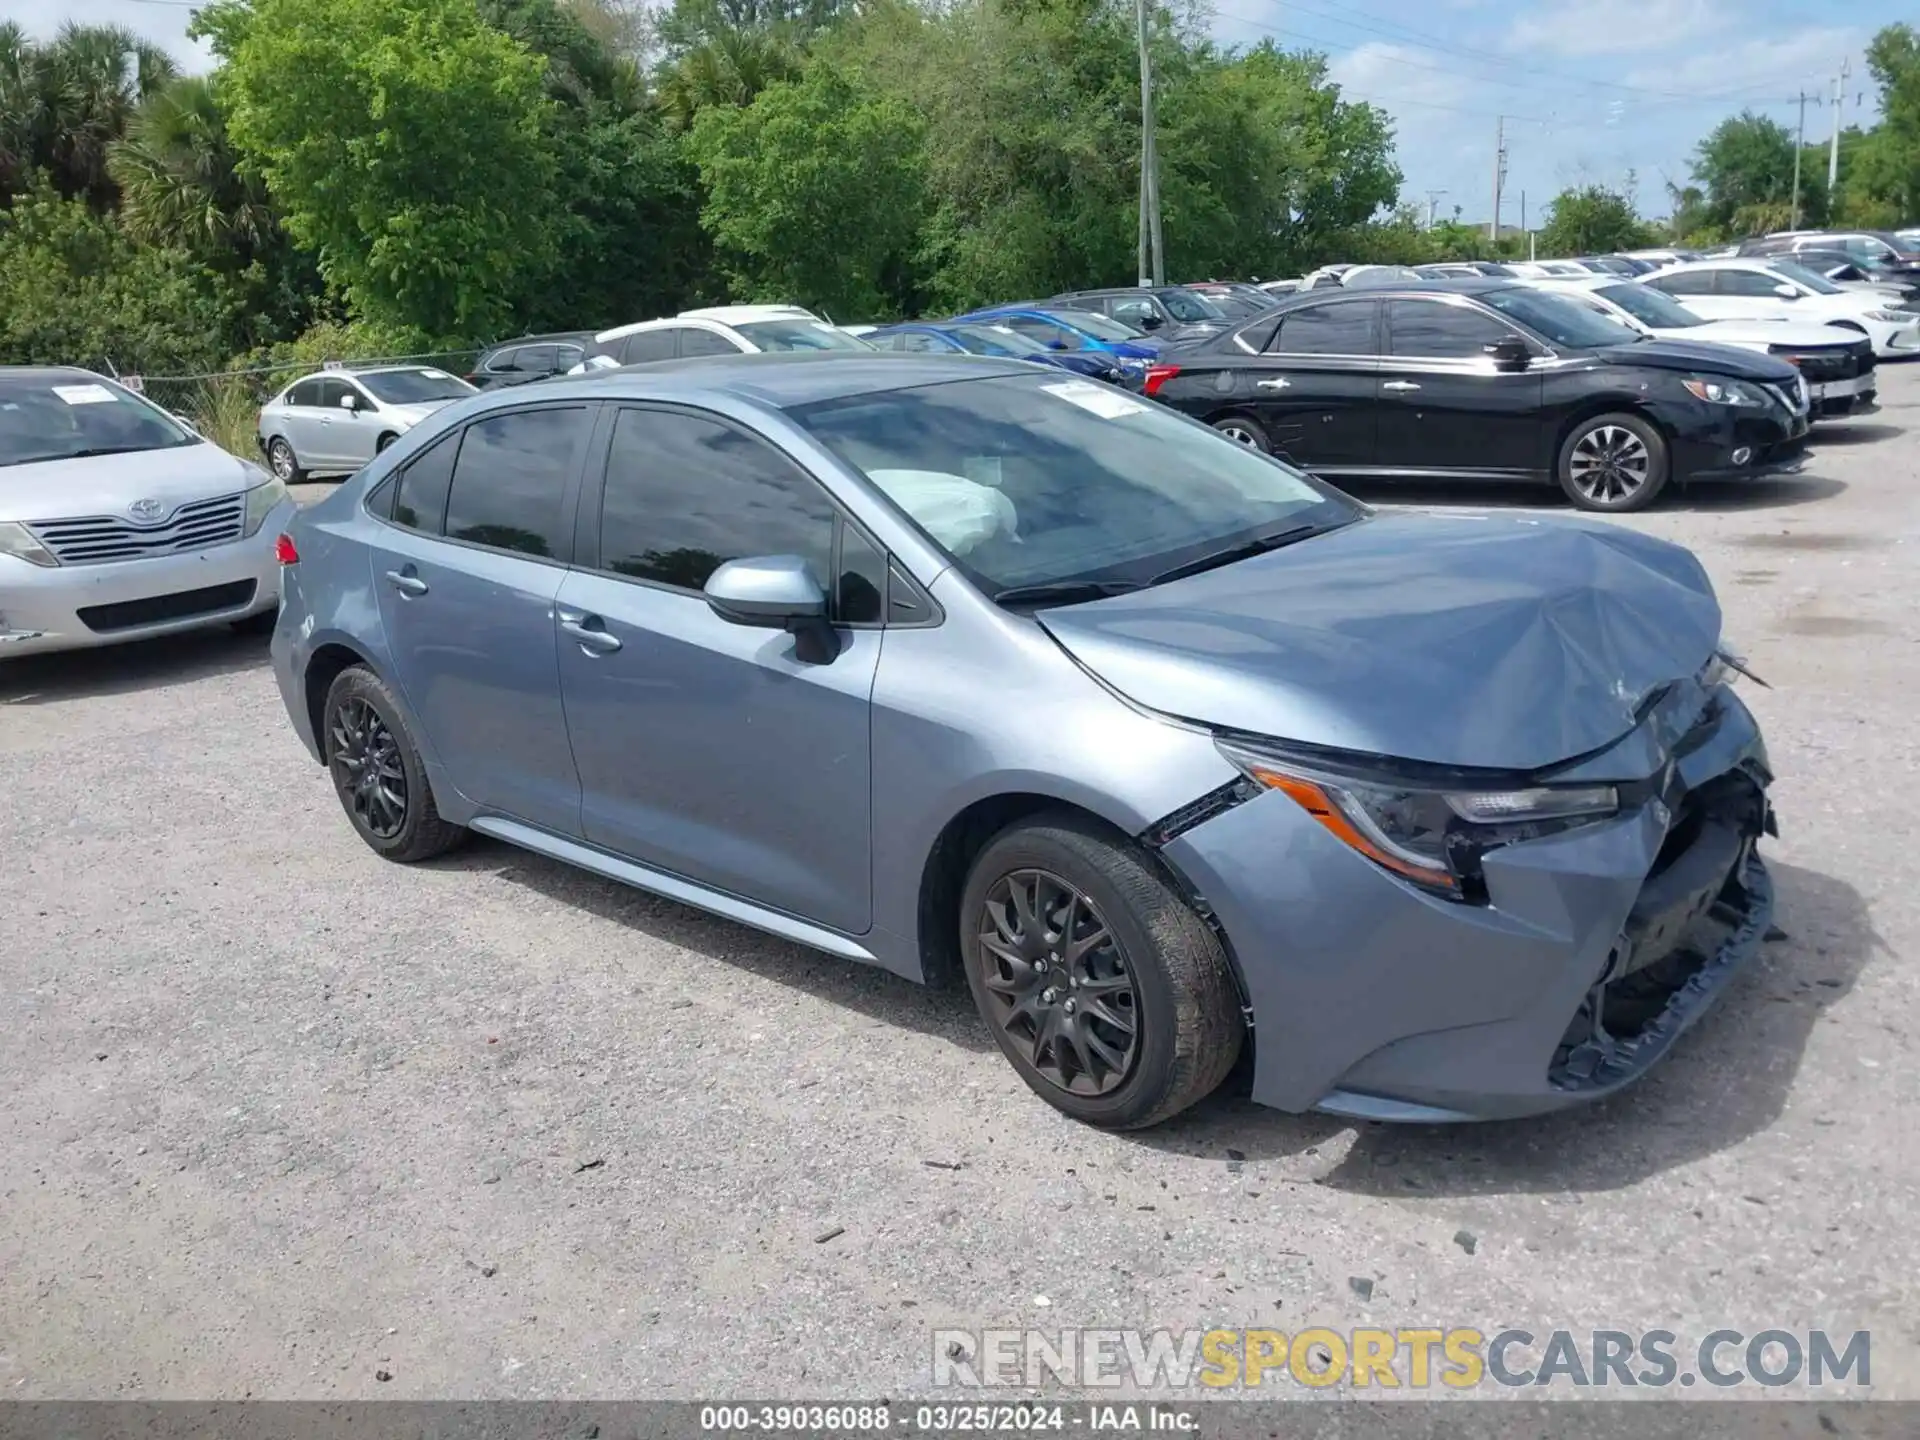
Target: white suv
{"x": 717, "y": 330}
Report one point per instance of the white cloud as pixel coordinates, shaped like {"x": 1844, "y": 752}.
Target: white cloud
{"x": 1766, "y": 68}
{"x": 1616, "y": 27}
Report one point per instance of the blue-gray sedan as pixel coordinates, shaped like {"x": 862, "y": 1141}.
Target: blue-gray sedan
{"x": 967, "y": 670}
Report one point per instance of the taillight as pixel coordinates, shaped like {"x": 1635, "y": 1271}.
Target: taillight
{"x": 284, "y": 551}
{"x": 1158, "y": 375}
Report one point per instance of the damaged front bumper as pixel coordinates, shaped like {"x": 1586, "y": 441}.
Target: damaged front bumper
{"x": 1595, "y": 951}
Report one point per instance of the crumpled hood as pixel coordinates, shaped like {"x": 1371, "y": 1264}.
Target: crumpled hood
{"x": 108, "y": 484}
{"x": 1701, "y": 358}
{"x": 1477, "y": 641}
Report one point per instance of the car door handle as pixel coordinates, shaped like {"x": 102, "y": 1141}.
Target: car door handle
{"x": 1281, "y": 384}
{"x": 1400, "y": 386}
{"x": 590, "y": 632}
{"x": 406, "y": 584}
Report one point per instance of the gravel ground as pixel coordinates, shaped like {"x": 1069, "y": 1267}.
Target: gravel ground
{"x": 283, "y": 1120}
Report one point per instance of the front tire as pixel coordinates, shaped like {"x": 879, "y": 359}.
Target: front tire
{"x": 1613, "y": 464}
{"x": 384, "y": 441}
{"x": 285, "y": 464}
{"x": 1107, "y": 993}
{"x": 378, "y": 773}
{"x": 1245, "y": 430}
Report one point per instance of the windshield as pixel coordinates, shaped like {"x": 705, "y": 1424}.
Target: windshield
{"x": 1026, "y": 480}
{"x": 1801, "y": 275}
{"x": 995, "y": 340}
{"x": 1650, "y": 306}
{"x": 1100, "y": 327}
{"x": 414, "y": 387}
{"x": 800, "y": 335}
{"x": 1563, "y": 321}
{"x": 1184, "y": 305}
{"x": 60, "y": 417}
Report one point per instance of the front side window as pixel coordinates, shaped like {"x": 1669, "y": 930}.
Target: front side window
{"x": 1432, "y": 330}
{"x": 996, "y": 339}
{"x": 510, "y": 481}
{"x": 61, "y": 418}
{"x": 1649, "y": 306}
{"x": 1045, "y": 333}
{"x": 1342, "y": 328}
{"x": 799, "y": 335}
{"x": 1134, "y": 312}
{"x": 1101, "y": 327}
{"x": 415, "y": 387}
{"x": 1800, "y": 275}
{"x": 1748, "y": 282}
{"x": 685, "y": 494}
{"x": 1029, "y": 480}
{"x": 1189, "y": 308}
{"x": 332, "y": 392}
{"x": 1559, "y": 319}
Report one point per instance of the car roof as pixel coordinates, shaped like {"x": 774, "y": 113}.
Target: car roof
{"x": 683, "y": 322}
{"x": 549, "y": 338}
{"x": 747, "y": 314}
{"x": 48, "y": 374}
{"x": 1726, "y": 262}
{"x": 1447, "y": 285}
{"x": 780, "y": 380}
{"x": 1577, "y": 282}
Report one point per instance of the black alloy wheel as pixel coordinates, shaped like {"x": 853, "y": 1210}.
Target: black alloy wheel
{"x": 367, "y": 769}
{"x": 377, "y": 770}
{"x": 1102, "y": 986}
{"x": 1060, "y": 981}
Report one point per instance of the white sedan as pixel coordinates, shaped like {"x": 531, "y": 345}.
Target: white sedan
{"x": 1778, "y": 289}
{"x": 1836, "y": 363}
{"x": 117, "y": 522}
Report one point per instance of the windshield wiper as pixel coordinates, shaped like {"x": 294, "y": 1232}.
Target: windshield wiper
{"x": 1065, "y": 592}
{"x": 93, "y": 450}
{"x": 1239, "y": 550}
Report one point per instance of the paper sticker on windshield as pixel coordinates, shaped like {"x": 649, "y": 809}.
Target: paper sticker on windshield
{"x": 1107, "y": 403}
{"x": 84, "y": 394}
{"x": 436, "y": 374}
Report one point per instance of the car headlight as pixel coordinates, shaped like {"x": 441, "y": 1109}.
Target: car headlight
{"x": 18, "y": 541}
{"x": 1724, "y": 392}
{"x": 1431, "y": 836}
{"x": 1888, "y": 317}
{"x": 262, "y": 501}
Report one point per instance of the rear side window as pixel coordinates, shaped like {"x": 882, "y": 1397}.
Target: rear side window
{"x": 647, "y": 345}
{"x": 537, "y": 359}
{"x": 307, "y": 392}
{"x": 510, "y": 482}
{"x": 503, "y": 362}
{"x": 685, "y": 494}
{"x": 705, "y": 342}
{"x": 421, "y": 501}
{"x": 1342, "y": 328}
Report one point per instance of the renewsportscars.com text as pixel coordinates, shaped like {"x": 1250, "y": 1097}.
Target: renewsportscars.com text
{"x": 1455, "y": 1358}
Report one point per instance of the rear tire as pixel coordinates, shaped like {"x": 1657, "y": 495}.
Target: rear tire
{"x": 1107, "y": 993}
{"x": 378, "y": 773}
{"x": 1613, "y": 464}
{"x": 1245, "y": 430}
{"x": 285, "y": 464}
{"x": 384, "y": 441}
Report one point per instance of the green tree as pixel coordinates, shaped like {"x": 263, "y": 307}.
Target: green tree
{"x": 1745, "y": 162}
{"x": 64, "y": 104}
{"x": 815, "y": 191}
{"x": 179, "y": 176}
{"x": 1591, "y": 220}
{"x": 1882, "y": 184}
{"x": 404, "y": 142}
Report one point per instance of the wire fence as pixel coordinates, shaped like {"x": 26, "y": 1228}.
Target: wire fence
{"x": 224, "y": 405}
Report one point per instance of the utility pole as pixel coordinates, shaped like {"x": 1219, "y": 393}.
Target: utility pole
{"x": 1499, "y": 174}
{"x": 1153, "y": 260}
{"x": 1799, "y": 144}
{"x": 1839, "y": 104}
{"x": 1523, "y": 215}
{"x": 1433, "y": 201}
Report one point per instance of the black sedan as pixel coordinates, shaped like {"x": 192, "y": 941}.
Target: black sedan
{"x": 1489, "y": 380}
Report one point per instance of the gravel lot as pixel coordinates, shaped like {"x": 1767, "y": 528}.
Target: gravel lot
{"x": 281, "y": 1119}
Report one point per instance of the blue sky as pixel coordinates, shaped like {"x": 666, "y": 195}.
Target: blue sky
{"x": 1592, "y": 88}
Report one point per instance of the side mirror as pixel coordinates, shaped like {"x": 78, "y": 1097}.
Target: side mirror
{"x": 1786, "y": 291}
{"x": 192, "y": 429}
{"x": 775, "y": 592}
{"x": 349, "y": 401}
{"x": 1510, "y": 353}
{"x": 1056, "y": 344}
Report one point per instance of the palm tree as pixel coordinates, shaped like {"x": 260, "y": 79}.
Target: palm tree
{"x": 64, "y": 104}
{"x": 730, "y": 68}
{"x": 179, "y": 175}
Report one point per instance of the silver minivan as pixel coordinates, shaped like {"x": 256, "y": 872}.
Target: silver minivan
{"x": 336, "y": 421}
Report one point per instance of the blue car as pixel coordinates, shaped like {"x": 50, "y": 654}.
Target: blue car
{"x": 1072, "y": 331}
{"x": 956, "y": 667}
{"x": 984, "y": 337}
